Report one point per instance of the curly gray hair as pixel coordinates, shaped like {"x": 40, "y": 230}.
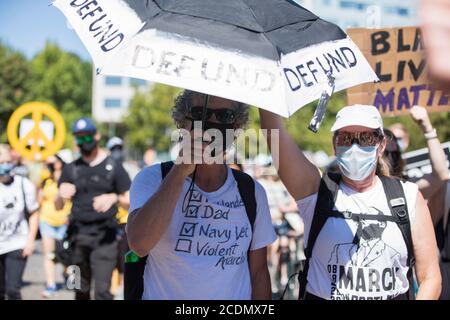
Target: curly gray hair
{"x": 181, "y": 110}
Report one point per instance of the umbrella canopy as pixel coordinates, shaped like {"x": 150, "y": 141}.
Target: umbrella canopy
{"x": 270, "y": 53}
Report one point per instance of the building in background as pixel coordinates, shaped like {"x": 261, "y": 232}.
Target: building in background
{"x": 111, "y": 97}
{"x": 365, "y": 13}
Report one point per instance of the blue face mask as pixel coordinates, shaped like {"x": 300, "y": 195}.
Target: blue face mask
{"x": 356, "y": 162}
{"x": 6, "y": 169}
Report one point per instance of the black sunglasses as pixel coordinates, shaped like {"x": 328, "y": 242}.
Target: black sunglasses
{"x": 224, "y": 115}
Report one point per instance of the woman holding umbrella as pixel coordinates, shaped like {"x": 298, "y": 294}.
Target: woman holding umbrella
{"x": 361, "y": 241}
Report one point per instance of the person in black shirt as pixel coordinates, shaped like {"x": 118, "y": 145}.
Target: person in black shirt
{"x": 96, "y": 184}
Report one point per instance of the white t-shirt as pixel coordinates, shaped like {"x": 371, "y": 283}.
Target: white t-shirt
{"x": 377, "y": 268}
{"x": 203, "y": 253}
{"x": 13, "y": 223}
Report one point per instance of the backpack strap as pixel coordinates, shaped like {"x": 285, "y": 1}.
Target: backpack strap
{"x": 76, "y": 176}
{"x": 110, "y": 162}
{"x": 165, "y": 168}
{"x": 397, "y": 204}
{"x": 329, "y": 184}
{"x": 246, "y": 187}
{"x": 360, "y": 216}
{"x": 446, "y": 205}
{"x": 75, "y": 171}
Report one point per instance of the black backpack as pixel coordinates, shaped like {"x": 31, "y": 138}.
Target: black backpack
{"x": 329, "y": 185}
{"x": 134, "y": 271}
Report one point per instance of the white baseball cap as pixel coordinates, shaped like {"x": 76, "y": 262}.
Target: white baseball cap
{"x": 65, "y": 155}
{"x": 358, "y": 115}
{"x": 114, "y": 142}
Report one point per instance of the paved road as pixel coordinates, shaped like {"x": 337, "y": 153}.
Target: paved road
{"x": 34, "y": 280}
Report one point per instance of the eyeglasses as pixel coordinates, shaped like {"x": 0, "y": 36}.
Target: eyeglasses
{"x": 364, "y": 139}
{"x": 222, "y": 115}
{"x": 84, "y": 139}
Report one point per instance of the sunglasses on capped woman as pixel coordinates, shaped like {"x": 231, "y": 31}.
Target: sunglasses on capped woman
{"x": 226, "y": 116}
{"x": 364, "y": 139}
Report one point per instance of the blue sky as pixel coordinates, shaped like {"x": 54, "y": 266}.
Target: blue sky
{"x": 26, "y": 25}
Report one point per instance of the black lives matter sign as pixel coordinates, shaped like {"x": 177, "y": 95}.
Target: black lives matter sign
{"x": 396, "y": 55}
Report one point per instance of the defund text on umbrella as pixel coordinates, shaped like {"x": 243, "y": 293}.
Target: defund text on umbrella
{"x": 100, "y": 26}
{"x": 203, "y": 68}
{"x": 309, "y": 72}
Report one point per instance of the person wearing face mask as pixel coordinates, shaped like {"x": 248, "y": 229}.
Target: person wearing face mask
{"x": 202, "y": 227}
{"x": 429, "y": 184}
{"x": 96, "y": 184}
{"x": 19, "y": 221}
{"x": 393, "y": 155}
{"x": 384, "y": 222}
{"x": 401, "y": 134}
{"x": 53, "y": 223}
{"x": 115, "y": 147}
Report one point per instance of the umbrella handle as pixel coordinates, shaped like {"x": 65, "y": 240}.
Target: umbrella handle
{"x": 319, "y": 114}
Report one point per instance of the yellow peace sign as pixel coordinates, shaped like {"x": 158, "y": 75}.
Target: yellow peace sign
{"x": 37, "y": 110}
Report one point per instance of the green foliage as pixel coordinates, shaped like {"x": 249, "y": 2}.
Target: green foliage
{"x": 297, "y": 125}
{"x": 416, "y": 139}
{"x": 149, "y": 121}
{"x": 14, "y": 85}
{"x": 63, "y": 80}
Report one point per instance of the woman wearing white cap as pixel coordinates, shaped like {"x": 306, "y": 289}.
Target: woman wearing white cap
{"x": 363, "y": 231}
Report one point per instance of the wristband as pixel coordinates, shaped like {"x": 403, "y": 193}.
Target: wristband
{"x": 430, "y": 134}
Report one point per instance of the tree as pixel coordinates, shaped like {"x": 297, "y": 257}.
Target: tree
{"x": 149, "y": 120}
{"x": 63, "y": 80}
{"x": 439, "y": 120}
{"x": 14, "y": 84}
{"x": 297, "y": 125}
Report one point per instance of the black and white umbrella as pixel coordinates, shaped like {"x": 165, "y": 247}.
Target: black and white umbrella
{"x": 270, "y": 53}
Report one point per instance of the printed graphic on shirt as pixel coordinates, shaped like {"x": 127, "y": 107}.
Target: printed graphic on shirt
{"x": 207, "y": 230}
{"x": 358, "y": 269}
{"x": 8, "y": 224}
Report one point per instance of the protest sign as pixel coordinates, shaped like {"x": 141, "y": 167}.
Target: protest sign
{"x": 396, "y": 55}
